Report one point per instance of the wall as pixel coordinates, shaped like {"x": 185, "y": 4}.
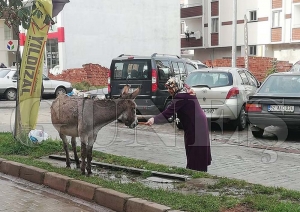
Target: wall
{"x": 99, "y": 31}
{"x": 3, "y": 52}
{"x": 258, "y": 66}
{"x": 94, "y": 74}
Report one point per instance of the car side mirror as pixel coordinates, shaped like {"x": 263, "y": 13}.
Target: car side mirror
{"x": 258, "y": 84}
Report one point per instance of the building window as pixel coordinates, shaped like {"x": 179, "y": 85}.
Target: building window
{"x": 52, "y": 53}
{"x": 215, "y": 25}
{"x": 252, "y": 50}
{"x": 182, "y": 27}
{"x": 253, "y": 15}
{"x": 8, "y": 33}
{"x": 276, "y": 19}
{"x": 296, "y": 16}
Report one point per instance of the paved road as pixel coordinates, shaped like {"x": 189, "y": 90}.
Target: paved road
{"x": 19, "y": 195}
{"x": 164, "y": 144}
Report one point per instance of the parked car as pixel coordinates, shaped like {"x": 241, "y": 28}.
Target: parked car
{"x": 150, "y": 73}
{"x": 276, "y": 103}
{"x": 223, "y": 93}
{"x": 295, "y": 67}
{"x": 8, "y": 85}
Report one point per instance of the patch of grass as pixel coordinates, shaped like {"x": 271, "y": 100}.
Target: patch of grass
{"x": 146, "y": 174}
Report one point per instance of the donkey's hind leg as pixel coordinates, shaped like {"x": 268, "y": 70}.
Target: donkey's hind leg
{"x": 89, "y": 152}
{"x": 73, "y": 142}
{"x": 65, "y": 144}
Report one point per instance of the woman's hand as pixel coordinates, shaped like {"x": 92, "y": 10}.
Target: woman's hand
{"x": 150, "y": 122}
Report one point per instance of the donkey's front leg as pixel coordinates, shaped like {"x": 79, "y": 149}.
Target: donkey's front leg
{"x": 89, "y": 159}
{"x": 65, "y": 144}
{"x": 73, "y": 141}
{"x": 83, "y": 156}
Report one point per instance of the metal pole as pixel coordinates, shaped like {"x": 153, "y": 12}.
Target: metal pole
{"x": 233, "y": 63}
{"x": 246, "y": 42}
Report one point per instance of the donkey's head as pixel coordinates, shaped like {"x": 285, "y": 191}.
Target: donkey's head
{"x": 129, "y": 107}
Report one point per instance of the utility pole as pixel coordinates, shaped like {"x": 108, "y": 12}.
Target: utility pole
{"x": 234, "y": 25}
{"x": 246, "y": 42}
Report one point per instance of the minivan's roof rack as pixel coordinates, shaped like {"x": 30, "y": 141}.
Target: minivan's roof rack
{"x": 121, "y": 55}
{"x": 155, "y": 54}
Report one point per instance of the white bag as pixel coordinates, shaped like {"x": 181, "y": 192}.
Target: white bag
{"x": 37, "y": 136}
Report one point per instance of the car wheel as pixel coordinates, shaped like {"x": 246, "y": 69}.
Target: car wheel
{"x": 60, "y": 90}
{"x": 241, "y": 121}
{"x": 257, "y": 132}
{"x": 11, "y": 94}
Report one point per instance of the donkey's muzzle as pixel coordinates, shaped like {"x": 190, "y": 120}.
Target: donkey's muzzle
{"x": 134, "y": 124}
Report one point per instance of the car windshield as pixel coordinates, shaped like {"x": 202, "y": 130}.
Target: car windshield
{"x": 281, "y": 85}
{"x": 4, "y": 72}
{"x": 211, "y": 79}
{"x": 131, "y": 69}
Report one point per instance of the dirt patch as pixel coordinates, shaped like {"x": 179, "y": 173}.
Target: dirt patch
{"x": 240, "y": 208}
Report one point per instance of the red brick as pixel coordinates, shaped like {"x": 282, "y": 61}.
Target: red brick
{"x": 56, "y": 181}
{"x": 10, "y": 168}
{"x": 32, "y": 174}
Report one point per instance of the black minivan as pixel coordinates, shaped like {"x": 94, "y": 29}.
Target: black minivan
{"x": 150, "y": 73}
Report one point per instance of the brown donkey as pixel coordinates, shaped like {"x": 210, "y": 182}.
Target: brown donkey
{"x": 81, "y": 117}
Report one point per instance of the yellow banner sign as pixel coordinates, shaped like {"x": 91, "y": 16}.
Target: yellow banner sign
{"x": 31, "y": 72}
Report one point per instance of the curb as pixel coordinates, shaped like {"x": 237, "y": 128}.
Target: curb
{"x": 108, "y": 198}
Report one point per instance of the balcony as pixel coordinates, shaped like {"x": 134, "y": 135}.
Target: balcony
{"x": 192, "y": 9}
{"x": 191, "y": 43}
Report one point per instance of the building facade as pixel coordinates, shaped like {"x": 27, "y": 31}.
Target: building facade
{"x": 98, "y": 31}
{"x": 273, "y": 28}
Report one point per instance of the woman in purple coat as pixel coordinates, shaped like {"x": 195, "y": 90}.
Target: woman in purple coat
{"x": 194, "y": 122}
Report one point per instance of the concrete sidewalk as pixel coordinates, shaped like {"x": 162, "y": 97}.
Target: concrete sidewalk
{"x": 19, "y": 195}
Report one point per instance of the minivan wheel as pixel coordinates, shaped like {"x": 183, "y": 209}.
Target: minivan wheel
{"x": 11, "y": 94}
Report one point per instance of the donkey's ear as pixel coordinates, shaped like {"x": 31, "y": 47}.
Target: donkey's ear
{"x": 125, "y": 90}
{"x": 135, "y": 93}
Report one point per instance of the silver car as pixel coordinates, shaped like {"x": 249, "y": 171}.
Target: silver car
{"x": 223, "y": 92}
{"x": 8, "y": 85}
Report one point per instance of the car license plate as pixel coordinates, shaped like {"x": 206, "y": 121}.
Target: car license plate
{"x": 281, "y": 108}
{"x": 209, "y": 110}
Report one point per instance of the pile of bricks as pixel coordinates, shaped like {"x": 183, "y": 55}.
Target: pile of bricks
{"x": 94, "y": 74}
{"x": 259, "y": 66}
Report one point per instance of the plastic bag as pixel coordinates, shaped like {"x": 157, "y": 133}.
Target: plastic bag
{"x": 37, "y": 136}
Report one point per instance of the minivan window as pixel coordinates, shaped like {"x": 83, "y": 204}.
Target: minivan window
{"x": 178, "y": 68}
{"x": 131, "y": 69}
{"x": 163, "y": 69}
{"x": 212, "y": 79}
{"x": 190, "y": 68}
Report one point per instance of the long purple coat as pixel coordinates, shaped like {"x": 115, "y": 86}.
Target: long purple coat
{"x": 196, "y": 133}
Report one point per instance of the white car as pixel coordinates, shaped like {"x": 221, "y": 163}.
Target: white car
{"x": 223, "y": 93}
{"x": 8, "y": 85}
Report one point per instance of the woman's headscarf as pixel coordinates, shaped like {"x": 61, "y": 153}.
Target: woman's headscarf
{"x": 178, "y": 86}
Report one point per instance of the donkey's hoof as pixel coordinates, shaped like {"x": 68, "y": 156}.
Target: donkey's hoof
{"x": 82, "y": 173}
{"x": 78, "y": 166}
{"x": 68, "y": 167}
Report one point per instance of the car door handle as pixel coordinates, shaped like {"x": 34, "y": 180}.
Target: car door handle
{"x": 14, "y": 80}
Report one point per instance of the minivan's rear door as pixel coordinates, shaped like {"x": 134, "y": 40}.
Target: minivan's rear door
{"x": 133, "y": 72}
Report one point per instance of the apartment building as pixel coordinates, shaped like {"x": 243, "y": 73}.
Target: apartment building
{"x": 273, "y": 28}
